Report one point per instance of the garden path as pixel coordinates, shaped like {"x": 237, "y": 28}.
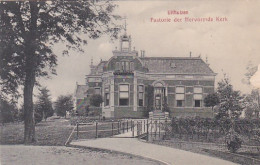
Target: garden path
{"x": 160, "y": 153}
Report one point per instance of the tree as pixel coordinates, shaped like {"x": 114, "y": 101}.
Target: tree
{"x": 7, "y": 111}
{"x": 211, "y": 100}
{"x": 253, "y": 100}
{"x": 43, "y": 107}
{"x": 230, "y": 100}
{"x": 251, "y": 106}
{"x": 95, "y": 100}
{"x": 28, "y": 32}
{"x": 63, "y": 104}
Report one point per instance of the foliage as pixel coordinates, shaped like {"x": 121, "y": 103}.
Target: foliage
{"x": 43, "y": 107}
{"x": 230, "y": 100}
{"x": 215, "y": 130}
{"x": 95, "y": 100}
{"x": 28, "y": 32}
{"x": 38, "y": 114}
{"x": 63, "y": 104}
{"x": 233, "y": 141}
{"x": 251, "y": 70}
{"x": 252, "y": 104}
{"x": 211, "y": 100}
{"x": 150, "y": 99}
{"x": 165, "y": 107}
{"x": 251, "y": 107}
{"x": 7, "y": 111}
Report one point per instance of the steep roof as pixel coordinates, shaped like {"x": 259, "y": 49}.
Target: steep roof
{"x": 98, "y": 68}
{"x": 177, "y": 65}
{"x": 81, "y": 91}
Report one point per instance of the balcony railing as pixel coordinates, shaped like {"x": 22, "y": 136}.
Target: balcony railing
{"x": 123, "y": 72}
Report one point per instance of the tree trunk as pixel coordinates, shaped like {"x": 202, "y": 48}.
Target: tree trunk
{"x": 30, "y": 69}
{"x": 29, "y": 124}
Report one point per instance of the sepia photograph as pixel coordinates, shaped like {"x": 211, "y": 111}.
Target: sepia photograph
{"x": 133, "y": 82}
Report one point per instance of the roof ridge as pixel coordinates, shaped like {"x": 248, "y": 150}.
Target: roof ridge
{"x": 186, "y": 58}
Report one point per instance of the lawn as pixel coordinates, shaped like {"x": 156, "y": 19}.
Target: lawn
{"x": 49, "y": 148}
{"x": 53, "y": 132}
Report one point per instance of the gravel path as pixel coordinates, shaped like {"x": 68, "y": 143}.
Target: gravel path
{"x": 53, "y": 155}
{"x": 164, "y": 154}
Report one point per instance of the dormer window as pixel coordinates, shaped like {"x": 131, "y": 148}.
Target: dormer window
{"x": 124, "y": 66}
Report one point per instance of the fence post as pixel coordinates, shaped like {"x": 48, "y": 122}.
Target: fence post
{"x": 151, "y": 127}
{"x": 144, "y": 126}
{"x": 141, "y": 127}
{"x": 165, "y": 127}
{"x": 127, "y": 126}
{"x": 155, "y": 128}
{"x": 118, "y": 127}
{"x": 159, "y": 128}
{"x": 112, "y": 128}
{"x": 133, "y": 130}
{"x": 96, "y": 129}
{"x": 147, "y": 127}
{"x": 123, "y": 127}
{"x": 131, "y": 125}
{"x": 77, "y": 130}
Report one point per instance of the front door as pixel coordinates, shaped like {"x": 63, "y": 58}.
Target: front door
{"x": 158, "y": 102}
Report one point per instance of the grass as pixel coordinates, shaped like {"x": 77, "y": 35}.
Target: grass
{"x": 52, "y": 132}
{"x": 55, "y": 132}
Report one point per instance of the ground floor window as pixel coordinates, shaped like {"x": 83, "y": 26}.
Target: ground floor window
{"x": 180, "y": 103}
{"x": 140, "y": 95}
{"x": 124, "y": 95}
{"x": 197, "y": 96}
{"x": 197, "y": 103}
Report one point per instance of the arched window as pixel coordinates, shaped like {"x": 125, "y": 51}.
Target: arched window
{"x": 132, "y": 66}
{"x": 117, "y": 66}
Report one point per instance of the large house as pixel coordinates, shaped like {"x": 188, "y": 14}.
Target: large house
{"x": 129, "y": 82}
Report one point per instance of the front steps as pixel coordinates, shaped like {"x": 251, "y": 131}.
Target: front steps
{"x": 158, "y": 115}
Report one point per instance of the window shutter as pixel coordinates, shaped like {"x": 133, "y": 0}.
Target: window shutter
{"x": 179, "y": 96}
{"x": 197, "y": 96}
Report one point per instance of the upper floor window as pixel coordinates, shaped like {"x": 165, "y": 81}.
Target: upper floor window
{"x": 117, "y": 66}
{"x": 107, "y": 96}
{"x": 132, "y": 66}
{"x": 97, "y": 91}
{"x": 123, "y": 94}
{"x": 180, "y": 96}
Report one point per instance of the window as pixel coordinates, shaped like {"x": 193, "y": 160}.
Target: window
{"x": 197, "y": 96}
{"x": 107, "y": 96}
{"x": 122, "y": 65}
{"x": 97, "y": 91}
{"x": 123, "y": 95}
{"x": 180, "y": 96}
{"x": 179, "y": 103}
{"x": 140, "y": 95}
{"x": 132, "y": 66}
{"x": 125, "y": 66}
{"x": 197, "y": 103}
{"x": 117, "y": 66}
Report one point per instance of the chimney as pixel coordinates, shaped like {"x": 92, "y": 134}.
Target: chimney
{"x": 190, "y": 54}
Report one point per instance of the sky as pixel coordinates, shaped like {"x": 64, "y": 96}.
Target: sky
{"x": 229, "y": 45}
